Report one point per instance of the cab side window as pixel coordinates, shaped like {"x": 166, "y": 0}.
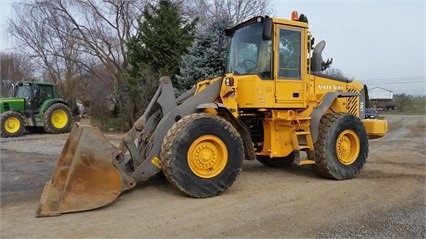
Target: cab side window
{"x": 289, "y": 46}
{"x": 46, "y": 92}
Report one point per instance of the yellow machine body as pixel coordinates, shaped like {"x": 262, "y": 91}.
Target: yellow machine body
{"x": 272, "y": 104}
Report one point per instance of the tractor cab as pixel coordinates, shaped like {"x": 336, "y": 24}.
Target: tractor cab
{"x": 34, "y": 94}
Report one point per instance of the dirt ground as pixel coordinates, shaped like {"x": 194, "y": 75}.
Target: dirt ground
{"x": 387, "y": 200}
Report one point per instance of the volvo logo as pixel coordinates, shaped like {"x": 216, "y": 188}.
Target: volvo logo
{"x": 330, "y": 87}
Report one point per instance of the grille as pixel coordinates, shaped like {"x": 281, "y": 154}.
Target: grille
{"x": 353, "y": 102}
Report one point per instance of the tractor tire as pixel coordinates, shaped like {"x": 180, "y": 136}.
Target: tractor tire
{"x": 202, "y": 155}
{"x": 342, "y": 146}
{"x": 276, "y": 162}
{"x": 12, "y": 124}
{"x": 57, "y": 119}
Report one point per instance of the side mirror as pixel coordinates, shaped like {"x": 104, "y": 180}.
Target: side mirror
{"x": 13, "y": 90}
{"x": 267, "y": 28}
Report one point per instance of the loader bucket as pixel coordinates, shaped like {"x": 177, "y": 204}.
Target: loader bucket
{"x": 84, "y": 177}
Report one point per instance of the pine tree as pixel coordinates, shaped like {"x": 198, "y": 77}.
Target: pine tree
{"x": 206, "y": 58}
{"x": 163, "y": 37}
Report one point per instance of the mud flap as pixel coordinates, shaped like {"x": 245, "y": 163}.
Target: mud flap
{"x": 84, "y": 177}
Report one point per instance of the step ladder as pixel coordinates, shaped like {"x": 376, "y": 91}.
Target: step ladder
{"x": 302, "y": 141}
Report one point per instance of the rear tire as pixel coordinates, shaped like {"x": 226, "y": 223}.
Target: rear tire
{"x": 202, "y": 155}
{"x": 276, "y": 162}
{"x": 12, "y": 124}
{"x": 342, "y": 146}
{"x": 57, "y": 119}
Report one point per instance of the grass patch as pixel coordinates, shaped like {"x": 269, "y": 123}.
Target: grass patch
{"x": 409, "y": 106}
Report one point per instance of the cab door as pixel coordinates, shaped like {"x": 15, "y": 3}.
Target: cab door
{"x": 289, "y": 67}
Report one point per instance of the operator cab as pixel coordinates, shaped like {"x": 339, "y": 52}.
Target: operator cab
{"x": 34, "y": 94}
{"x": 268, "y": 59}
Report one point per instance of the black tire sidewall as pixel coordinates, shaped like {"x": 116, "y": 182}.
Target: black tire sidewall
{"x": 4, "y": 117}
{"x": 185, "y": 179}
{"x": 337, "y": 169}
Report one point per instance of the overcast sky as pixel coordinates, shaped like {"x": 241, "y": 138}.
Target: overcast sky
{"x": 5, "y": 13}
{"x": 381, "y": 43}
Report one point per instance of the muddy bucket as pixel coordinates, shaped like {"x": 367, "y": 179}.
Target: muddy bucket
{"x": 84, "y": 177}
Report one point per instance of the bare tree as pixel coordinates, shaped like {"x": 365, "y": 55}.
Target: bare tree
{"x": 97, "y": 96}
{"x": 13, "y": 68}
{"x": 335, "y": 72}
{"x": 235, "y": 10}
{"x": 72, "y": 39}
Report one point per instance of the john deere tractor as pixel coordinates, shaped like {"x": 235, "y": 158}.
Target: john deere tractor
{"x": 35, "y": 106}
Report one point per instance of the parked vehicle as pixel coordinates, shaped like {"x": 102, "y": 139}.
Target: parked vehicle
{"x": 371, "y": 113}
{"x": 35, "y": 105}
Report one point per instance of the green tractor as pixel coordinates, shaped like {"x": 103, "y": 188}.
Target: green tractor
{"x": 35, "y": 106}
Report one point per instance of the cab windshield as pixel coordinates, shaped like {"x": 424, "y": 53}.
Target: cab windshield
{"x": 248, "y": 53}
{"x": 23, "y": 91}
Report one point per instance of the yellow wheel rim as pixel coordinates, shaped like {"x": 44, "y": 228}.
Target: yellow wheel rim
{"x": 12, "y": 125}
{"x": 59, "y": 119}
{"x": 207, "y": 156}
{"x": 347, "y": 147}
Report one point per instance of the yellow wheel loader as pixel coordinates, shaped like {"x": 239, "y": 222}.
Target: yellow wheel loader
{"x": 273, "y": 104}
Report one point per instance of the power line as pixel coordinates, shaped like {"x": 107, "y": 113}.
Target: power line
{"x": 402, "y": 77}
{"x": 395, "y": 78}
{"x": 400, "y": 80}
{"x": 395, "y": 82}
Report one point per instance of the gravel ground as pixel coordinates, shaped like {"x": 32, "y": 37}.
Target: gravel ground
{"x": 387, "y": 200}
{"x": 48, "y": 144}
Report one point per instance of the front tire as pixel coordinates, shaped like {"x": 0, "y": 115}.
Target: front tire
{"x": 342, "y": 146}
{"x": 202, "y": 155}
{"x": 12, "y": 124}
{"x": 57, "y": 119}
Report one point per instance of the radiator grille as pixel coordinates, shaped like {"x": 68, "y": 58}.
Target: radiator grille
{"x": 353, "y": 102}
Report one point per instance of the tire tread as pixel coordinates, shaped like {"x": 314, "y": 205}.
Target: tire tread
{"x": 166, "y": 151}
